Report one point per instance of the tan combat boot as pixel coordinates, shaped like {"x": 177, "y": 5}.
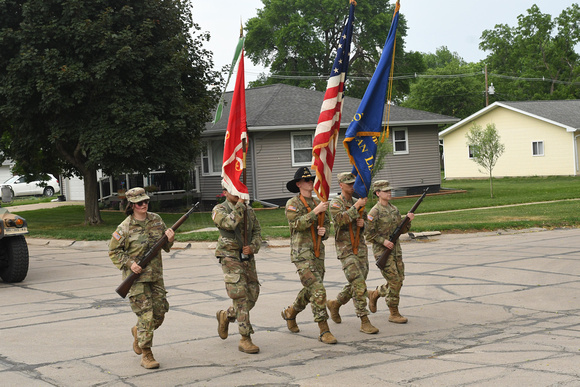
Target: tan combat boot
{"x": 136, "y": 347}
{"x": 373, "y": 297}
{"x": 325, "y": 336}
{"x": 333, "y": 307}
{"x": 148, "y": 361}
{"x": 366, "y": 326}
{"x": 289, "y": 314}
{"x": 247, "y": 346}
{"x": 223, "y": 323}
{"x": 395, "y": 316}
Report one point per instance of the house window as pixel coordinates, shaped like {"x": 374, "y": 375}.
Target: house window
{"x": 400, "y": 141}
{"x": 472, "y": 151}
{"x": 301, "y": 149}
{"x": 212, "y": 158}
{"x": 537, "y": 148}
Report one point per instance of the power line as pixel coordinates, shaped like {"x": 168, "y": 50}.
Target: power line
{"x": 431, "y": 76}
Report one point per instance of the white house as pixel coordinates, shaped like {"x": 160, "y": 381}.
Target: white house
{"x": 541, "y": 138}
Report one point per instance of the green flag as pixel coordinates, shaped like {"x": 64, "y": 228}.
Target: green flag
{"x": 220, "y": 107}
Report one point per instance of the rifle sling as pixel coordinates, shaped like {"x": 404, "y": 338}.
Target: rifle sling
{"x": 353, "y": 242}
{"x": 314, "y": 239}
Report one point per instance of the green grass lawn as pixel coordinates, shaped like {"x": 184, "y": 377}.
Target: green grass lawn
{"x": 67, "y": 222}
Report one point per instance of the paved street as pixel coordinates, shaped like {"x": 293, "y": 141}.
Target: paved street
{"x": 486, "y": 309}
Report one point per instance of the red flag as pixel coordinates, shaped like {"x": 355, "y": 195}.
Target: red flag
{"x": 326, "y": 135}
{"x": 234, "y": 155}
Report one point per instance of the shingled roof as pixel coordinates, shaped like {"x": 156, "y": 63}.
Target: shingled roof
{"x": 564, "y": 113}
{"x": 284, "y": 107}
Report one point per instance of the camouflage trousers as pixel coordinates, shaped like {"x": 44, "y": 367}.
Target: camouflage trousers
{"x": 148, "y": 301}
{"x": 356, "y": 270}
{"x": 394, "y": 273}
{"x": 243, "y": 288}
{"x": 311, "y": 273}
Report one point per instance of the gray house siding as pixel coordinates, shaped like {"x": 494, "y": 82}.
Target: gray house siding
{"x": 273, "y": 164}
{"x": 410, "y": 173}
{"x": 420, "y": 168}
{"x": 211, "y": 184}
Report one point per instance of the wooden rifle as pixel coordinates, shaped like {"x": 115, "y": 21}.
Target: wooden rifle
{"x": 382, "y": 261}
{"x": 125, "y": 286}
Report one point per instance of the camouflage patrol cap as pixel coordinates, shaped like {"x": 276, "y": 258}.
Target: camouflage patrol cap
{"x": 346, "y": 177}
{"x": 381, "y": 185}
{"x": 136, "y": 195}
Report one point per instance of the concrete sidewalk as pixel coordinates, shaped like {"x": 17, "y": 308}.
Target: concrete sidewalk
{"x": 38, "y": 206}
{"x": 486, "y": 309}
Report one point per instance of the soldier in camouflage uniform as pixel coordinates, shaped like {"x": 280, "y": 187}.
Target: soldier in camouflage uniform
{"x": 238, "y": 265}
{"x": 302, "y": 213}
{"x": 382, "y": 220}
{"x": 349, "y": 215}
{"x": 130, "y": 242}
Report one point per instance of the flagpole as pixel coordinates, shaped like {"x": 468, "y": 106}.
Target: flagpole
{"x": 357, "y": 239}
{"x": 244, "y": 151}
{"x": 328, "y": 127}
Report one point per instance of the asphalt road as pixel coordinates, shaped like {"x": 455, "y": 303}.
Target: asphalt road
{"x": 487, "y": 309}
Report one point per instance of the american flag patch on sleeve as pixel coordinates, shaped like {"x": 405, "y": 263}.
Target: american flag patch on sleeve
{"x": 370, "y": 217}
{"x": 291, "y": 208}
{"x": 336, "y": 205}
{"x": 116, "y": 235}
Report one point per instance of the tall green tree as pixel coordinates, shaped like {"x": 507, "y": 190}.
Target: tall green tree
{"x": 120, "y": 86}
{"x": 445, "y": 89}
{"x": 299, "y": 38}
{"x": 486, "y": 148}
{"x": 538, "y": 47}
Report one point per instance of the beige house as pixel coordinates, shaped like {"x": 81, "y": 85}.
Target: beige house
{"x": 541, "y": 138}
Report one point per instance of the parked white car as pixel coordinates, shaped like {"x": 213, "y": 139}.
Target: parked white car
{"x": 20, "y": 187}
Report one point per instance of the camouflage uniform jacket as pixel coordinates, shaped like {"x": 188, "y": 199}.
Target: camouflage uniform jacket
{"x": 132, "y": 240}
{"x": 300, "y": 220}
{"x": 381, "y": 223}
{"x": 229, "y": 219}
{"x": 344, "y": 213}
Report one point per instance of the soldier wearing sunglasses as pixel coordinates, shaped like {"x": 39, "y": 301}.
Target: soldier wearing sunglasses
{"x": 132, "y": 239}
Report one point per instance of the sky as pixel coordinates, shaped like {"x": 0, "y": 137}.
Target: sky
{"x": 457, "y": 24}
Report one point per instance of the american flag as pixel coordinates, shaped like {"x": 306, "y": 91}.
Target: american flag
{"x": 326, "y": 135}
{"x": 362, "y": 135}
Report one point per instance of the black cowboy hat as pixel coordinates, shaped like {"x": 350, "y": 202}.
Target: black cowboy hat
{"x": 301, "y": 173}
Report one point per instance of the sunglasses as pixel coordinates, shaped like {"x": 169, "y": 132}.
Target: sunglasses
{"x": 142, "y": 203}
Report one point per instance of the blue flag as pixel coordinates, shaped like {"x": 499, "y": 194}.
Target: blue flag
{"x": 362, "y": 136}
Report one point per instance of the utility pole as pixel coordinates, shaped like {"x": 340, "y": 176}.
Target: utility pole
{"x": 486, "y": 89}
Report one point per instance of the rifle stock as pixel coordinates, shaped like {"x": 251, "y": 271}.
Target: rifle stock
{"x": 382, "y": 261}
{"x": 125, "y": 286}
